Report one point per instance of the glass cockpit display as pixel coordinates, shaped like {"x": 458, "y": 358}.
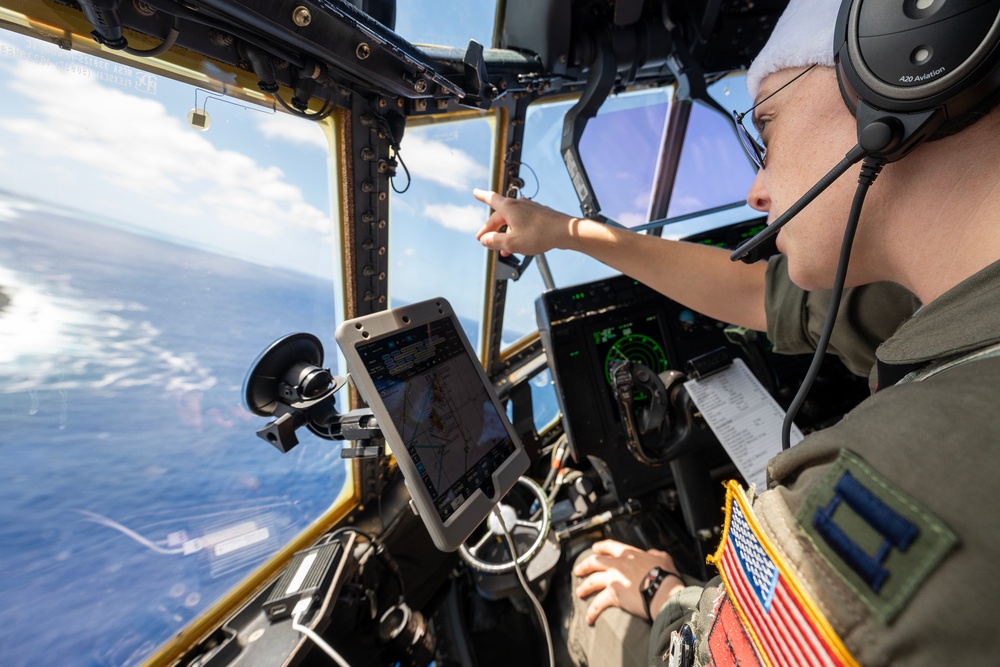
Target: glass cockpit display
{"x": 438, "y": 412}
{"x": 448, "y": 424}
{"x": 586, "y": 331}
{"x": 639, "y": 340}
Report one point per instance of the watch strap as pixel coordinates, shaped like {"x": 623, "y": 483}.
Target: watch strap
{"x": 651, "y": 584}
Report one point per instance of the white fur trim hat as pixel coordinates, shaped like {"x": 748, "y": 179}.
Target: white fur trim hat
{"x": 802, "y": 37}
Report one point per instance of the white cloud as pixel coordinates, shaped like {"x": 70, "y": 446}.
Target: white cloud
{"x": 8, "y": 211}
{"x": 133, "y": 143}
{"x": 463, "y": 218}
{"x": 296, "y": 130}
{"x": 438, "y": 162}
{"x": 687, "y": 204}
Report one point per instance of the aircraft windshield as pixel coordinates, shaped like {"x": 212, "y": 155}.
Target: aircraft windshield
{"x": 143, "y": 265}
{"x": 620, "y": 149}
{"x": 434, "y": 221}
{"x": 420, "y": 22}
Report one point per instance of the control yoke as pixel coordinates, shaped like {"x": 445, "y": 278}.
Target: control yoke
{"x": 657, "y": 412}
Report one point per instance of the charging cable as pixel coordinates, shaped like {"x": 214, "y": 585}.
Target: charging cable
{"x": 297, "y": 613}
{"x": 524, "y": 584}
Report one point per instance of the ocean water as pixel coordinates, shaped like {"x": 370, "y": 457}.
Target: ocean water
{"x": 133, "y": 489}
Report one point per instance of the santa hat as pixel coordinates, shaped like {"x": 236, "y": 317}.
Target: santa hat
{"x": 802, "y": 37}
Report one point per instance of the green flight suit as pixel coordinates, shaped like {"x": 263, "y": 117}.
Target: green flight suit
{"x": 924, "y": 444}
{"x": 867, "y": 316}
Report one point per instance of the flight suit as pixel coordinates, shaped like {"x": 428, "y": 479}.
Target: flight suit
{"x": 867, "y": 316}
{"x": 877, "y": 537}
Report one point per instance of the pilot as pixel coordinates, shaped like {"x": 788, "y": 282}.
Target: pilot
{"x": 875, "y": 540}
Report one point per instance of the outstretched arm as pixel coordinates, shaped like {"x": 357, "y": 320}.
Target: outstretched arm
{"x": 700, "y": 277}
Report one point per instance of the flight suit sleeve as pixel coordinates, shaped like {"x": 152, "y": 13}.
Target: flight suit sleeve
{"x": 867, "y": 316}
{"x": 691, "y": 605}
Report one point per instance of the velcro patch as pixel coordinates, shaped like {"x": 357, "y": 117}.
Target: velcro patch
{"x": 786, "y": 626}
{"x": 878, "y": 539}
{"x": 728, "y": 642}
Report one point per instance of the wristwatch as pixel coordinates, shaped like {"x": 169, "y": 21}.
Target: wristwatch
{"x": 650, "y": 584}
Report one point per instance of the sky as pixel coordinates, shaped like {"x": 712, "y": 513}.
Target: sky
{"x": 256, "y": 185}
{"x": 123, "y": 151}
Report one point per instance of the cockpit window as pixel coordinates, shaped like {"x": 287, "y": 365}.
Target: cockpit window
{"x": 144, "y": 263}
{"x": 545, "y": 180}
{"x": 432, "y": 237}
{"x": 420, "y": 22}
{"x": 620, "y": 149}
{"x": 714, "y": 170}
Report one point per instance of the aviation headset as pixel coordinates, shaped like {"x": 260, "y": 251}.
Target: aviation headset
{"x": 909, "y": 71}
{"x": 914, "y": 69}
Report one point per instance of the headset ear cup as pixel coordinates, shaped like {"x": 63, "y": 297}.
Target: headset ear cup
{"x": 930, "y": 66}
{"x": 847, "y": 93}
{"x": 964, "y": 120}
{"x": 842, "y": 58}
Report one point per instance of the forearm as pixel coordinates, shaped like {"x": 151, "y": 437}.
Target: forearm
{"x": 698, "y": 276}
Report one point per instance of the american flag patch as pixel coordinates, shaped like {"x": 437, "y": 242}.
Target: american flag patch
{"x": 785, "y": 624}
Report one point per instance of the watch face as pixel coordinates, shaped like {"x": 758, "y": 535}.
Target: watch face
{"x": 650, "y": 578}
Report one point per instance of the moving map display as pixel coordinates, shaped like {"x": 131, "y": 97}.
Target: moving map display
{"x": 447, "y": 422}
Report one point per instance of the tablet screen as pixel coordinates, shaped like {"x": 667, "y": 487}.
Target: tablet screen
{"x": 436, "y": 400}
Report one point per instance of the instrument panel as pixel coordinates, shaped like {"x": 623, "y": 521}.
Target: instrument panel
{"x": 585, "y": 329}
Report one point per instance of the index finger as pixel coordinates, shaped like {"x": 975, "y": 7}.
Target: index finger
{"x": 493, "y": 199}
{"x": 593, "y": 563}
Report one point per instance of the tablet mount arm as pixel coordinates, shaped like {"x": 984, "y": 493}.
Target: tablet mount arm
{"x": 287, "y": 381}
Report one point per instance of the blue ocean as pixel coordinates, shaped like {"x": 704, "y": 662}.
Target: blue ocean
{"x": 133, "y": 490}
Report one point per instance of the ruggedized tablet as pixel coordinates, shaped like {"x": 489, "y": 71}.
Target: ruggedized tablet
{"x": 438, "y": 411}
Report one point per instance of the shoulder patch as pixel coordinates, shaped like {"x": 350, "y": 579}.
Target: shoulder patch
{"x": 880, "y": 540}
{"x": 785, "y": 625}
{"x": 728, "y": 641}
